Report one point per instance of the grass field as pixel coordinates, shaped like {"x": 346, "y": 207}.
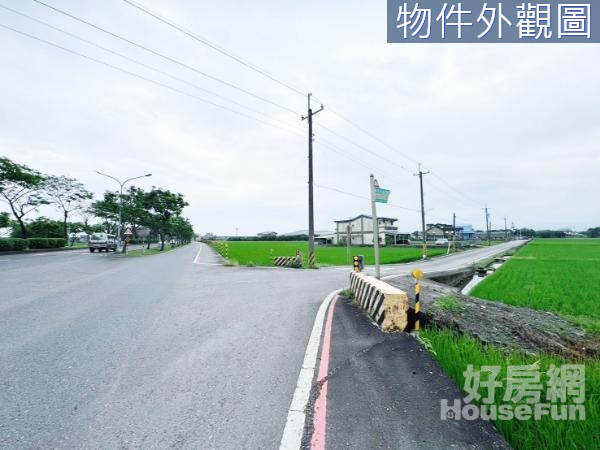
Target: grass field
{"x": 557, "y": 275}
{"x": 454, "y": 352}
{"x": 261, "y": 253}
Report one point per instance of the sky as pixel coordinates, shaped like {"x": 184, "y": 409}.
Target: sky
{"x": 513, "y": 127}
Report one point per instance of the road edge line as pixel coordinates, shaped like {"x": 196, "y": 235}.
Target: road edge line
{"x": 198, "y": 254}
{"x": 296, "y": 418}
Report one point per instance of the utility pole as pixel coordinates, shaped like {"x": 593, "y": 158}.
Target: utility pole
{"x": 505, "y": 230}
{"x": 348, "y": 241}
{"x": 487, "y": 226}
{"x": 420, "y": 175}
{"x": 311, "y": 217}
{"x": 375, "y": 227}
{"x": 453, "y": 230}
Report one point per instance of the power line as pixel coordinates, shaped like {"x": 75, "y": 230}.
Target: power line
{"x": 168, "y": 58}
{"x": 149, "y": 80}
{"x": 215, "y": 47}
{"x": 451, "y": 187}
{"x": 142, "y": 64}
{"x": 362, "y": 147}
{"x": 341, "y": 191}
{"x": 263, "y": 72}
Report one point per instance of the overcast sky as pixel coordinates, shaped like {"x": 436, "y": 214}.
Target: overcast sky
{"x": 513, "y": 126}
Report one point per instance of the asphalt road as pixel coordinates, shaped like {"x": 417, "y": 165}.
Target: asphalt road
{"x": 154, "y": 352}
{"x": 167, "y": 351}
{"x": 449, "y": 262}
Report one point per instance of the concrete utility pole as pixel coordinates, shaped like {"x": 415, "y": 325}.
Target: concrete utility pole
{"x": 348, "y": 241}
{"x": 311, "y": 218}
{"x": 375, "y": 227}
{"x": 420, "y": 175}
{"x": 453, "y": 230}
{"x": 122, "y": 184}
{"x": 505, "y": 230}
{"x": 487, "y": 226}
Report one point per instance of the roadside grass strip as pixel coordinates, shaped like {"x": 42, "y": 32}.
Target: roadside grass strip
{"x": 455, "y": 352}
{"x": 152, "y": 251}
{"x": 556, "y": 275}
{"x": 263, "y": 253}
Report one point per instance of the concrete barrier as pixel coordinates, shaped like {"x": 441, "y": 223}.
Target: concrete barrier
{"x": 288, "y": 261}
{"x": 386, "y": 305}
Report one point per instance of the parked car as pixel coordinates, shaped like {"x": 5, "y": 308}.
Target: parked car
{"x": 441, "y": 242}
{"x": 102, "y": 241}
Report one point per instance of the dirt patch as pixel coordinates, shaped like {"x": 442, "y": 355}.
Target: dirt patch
{"x": 496, "y": 323}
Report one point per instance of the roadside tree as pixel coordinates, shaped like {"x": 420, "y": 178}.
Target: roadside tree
{"x": 68, "y": 195}
{"x": 21, "y": 188}
{"x": 161, "y": 206}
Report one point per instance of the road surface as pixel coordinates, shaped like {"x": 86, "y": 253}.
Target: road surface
{"x": 173, "y": 350}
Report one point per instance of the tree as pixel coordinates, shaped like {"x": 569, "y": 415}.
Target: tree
{"x": 527, "y": 232}
{"x": 45, "y": 228}
{"x": 593, "y": 232}
{"x": 4, "y": 220}
{"x": 20, "y": 187}
{"x": 181, "y": 230}
{"x": 162, "y": 205}
{"x": 107, "y": 210}
{"x": 67, "y": 194}
{"x": 86, "y": 215}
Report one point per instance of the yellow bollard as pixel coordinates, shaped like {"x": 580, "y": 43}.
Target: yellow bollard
{"x": 417, "y": 275}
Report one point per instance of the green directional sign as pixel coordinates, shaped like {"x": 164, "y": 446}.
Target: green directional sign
{"x": 381, "y": 195}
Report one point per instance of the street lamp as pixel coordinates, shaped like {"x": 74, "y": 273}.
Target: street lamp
{"x": 122, "y": 184}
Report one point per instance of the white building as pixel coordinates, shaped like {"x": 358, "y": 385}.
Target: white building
{"x": 360, "y": 231}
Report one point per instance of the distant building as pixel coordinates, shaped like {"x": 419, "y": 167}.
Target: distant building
{"x": 267, "y": 234}
{"x": 360, "y": 231}
{"x": 465, "y": 232}
{"x": 446, "y": 231}
{"x": 495, "y": 235}
{"x": 439, "y": 231}
{"x": 305, "y": 233}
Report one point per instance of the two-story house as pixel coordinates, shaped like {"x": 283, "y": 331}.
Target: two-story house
{"x": 360, "y": 230}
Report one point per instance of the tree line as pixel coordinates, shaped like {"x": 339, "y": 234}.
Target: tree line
{"x": 25, "y": 190}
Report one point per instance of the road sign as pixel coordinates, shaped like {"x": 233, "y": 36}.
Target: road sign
{"x": 417, "y": 273}
{"x": 381, "y": 195}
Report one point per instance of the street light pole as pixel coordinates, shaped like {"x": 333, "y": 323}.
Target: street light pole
{"x": 121, "y": 185}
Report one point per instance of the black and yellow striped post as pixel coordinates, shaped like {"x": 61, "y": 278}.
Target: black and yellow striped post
{"x": 312, "y": 260}
{"x": 226, "y": 251}
{"x": 417, "y": 275}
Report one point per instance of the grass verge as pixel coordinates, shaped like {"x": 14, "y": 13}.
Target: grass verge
{"x": 454, "y": 352}
{"x": 151, "y": 251}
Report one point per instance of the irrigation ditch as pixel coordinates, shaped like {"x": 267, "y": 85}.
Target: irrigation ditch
{"x": 446, "y": 304}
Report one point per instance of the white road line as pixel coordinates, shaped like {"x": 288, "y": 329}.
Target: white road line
{"x": 198, "y": 254}
{"x": 294, "y": 425}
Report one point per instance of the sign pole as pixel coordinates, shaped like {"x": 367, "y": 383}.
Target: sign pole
{"x": 375, "y": 228}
